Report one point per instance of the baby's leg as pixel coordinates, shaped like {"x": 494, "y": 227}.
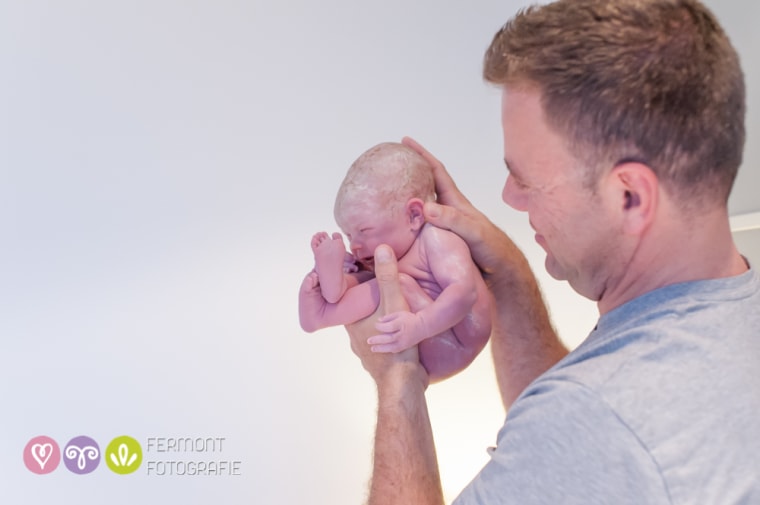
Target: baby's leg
{"x": 315, "y": 313}
{"x": 449, "y": 352}
{"x": 329, "y": 257}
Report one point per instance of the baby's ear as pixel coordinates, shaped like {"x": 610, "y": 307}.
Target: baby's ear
{"x": 414, "y": 211}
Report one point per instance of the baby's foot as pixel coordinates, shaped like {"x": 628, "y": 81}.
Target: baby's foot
{"x": 328, "y": 251}
{"x": 317, "y": 239}
{"x": 329, "y": 258}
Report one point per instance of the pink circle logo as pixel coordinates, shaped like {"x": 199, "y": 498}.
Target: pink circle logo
{"x": 42, "y": 455}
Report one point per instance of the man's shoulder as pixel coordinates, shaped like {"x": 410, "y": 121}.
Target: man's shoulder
{"x": 562, "y": 443}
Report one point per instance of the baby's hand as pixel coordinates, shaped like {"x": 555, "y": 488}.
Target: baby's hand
{"x": 400, "y": 331}
{"x": 350, "y": 266}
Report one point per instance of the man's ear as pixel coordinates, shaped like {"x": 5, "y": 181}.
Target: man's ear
{"x": 637, "y": 192}
{"x": 414, "y": 211}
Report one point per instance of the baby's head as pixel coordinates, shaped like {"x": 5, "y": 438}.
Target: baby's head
{"x": 385, "y": 177}
{"x": 381, "y": 198}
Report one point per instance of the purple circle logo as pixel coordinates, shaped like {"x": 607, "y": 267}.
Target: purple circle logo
{"x": 42, "y": 455}
{"x": 81, "y": 455}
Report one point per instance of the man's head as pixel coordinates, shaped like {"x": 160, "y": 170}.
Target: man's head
{"x": 652, "y": 81}
{"x": 623, "y": 123}
{"x": 381, "y": 198}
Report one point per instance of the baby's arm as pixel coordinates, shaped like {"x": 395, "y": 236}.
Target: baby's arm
{"x": 451, "y": 265}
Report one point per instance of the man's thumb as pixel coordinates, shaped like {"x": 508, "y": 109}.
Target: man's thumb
{"x": 386, "y": 273}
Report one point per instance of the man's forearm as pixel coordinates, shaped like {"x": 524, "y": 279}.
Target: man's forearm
{"x": 523, "y": 341}
{"x": 405, "y": 465}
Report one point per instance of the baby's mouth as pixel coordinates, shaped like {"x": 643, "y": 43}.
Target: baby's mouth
{"x": 368, "y": 263}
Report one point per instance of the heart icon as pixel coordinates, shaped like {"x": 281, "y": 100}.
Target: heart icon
{"x": 41, "y": 453}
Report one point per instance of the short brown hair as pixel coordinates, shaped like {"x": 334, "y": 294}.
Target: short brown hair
{"x": 655, "y": 81}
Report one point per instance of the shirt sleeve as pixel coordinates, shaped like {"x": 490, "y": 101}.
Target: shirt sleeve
{"x": 561, "y": 443}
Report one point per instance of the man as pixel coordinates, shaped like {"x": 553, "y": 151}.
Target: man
{"x": 623, "y": 128}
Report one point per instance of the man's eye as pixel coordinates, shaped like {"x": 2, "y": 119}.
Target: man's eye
{"x": 517, "y": 182}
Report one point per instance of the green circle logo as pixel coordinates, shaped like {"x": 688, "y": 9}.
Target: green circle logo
{"x": 123, "y": 455}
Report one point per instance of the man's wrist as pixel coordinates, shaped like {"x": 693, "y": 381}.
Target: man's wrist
{"x": 402, "y": 378}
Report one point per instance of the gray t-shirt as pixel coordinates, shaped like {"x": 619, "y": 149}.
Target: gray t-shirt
{"x": 660, "y": 404}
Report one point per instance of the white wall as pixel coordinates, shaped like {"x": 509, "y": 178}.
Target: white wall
{"x": 163, "y": 165}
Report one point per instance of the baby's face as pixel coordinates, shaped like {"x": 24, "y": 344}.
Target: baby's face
{"x": 366, "y": 227}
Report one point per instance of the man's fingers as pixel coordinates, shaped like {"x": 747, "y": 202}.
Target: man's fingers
{"x": 452, "y": 219}
{"x": 386, "y": 273}
{"x": 410, "y": 142}
{"x": 386, "y": 348}
{"x": 446, "y": 189}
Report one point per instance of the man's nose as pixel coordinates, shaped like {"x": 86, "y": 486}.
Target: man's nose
{"x": 512, "y": 196}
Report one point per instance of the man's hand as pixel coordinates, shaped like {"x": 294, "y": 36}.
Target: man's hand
{"x": 391, "y": 300}
{"x": 489, "y": 245}
{"x": 405, "y": 469}
{"x": 523, "y": 342}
